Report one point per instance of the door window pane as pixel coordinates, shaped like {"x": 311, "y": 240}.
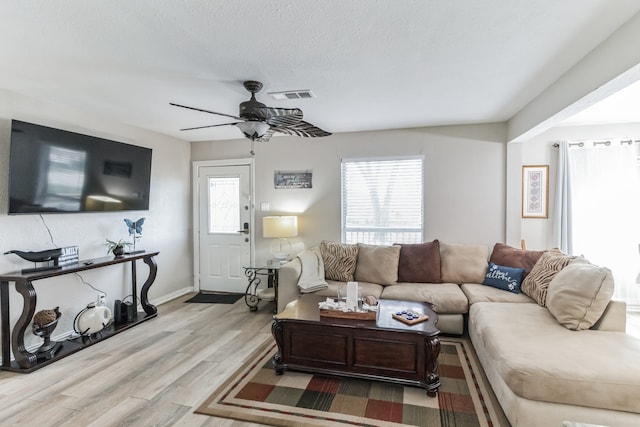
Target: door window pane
{"x": 224, "y": 204}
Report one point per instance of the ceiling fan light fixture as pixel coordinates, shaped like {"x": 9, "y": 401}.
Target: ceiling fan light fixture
{"x": 253, "y": 129}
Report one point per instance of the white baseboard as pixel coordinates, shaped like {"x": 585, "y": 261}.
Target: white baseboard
{"x": 173, "y": 295}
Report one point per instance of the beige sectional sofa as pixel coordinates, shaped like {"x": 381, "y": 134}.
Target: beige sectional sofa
{"x": 558, "y": 352}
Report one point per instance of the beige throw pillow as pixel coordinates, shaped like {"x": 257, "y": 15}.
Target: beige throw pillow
{"x": 339, "y": 260}
{"x": 463, "y": 263}
{"x": 578, "y": 295}
{"x": 537, "y": 281}
{"x": 377, "y": 264}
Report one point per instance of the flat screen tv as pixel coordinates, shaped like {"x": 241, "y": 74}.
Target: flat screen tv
{"x": 56, "y": 171}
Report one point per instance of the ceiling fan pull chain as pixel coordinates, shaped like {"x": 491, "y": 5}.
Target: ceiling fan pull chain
{"x": 253, "y": 146}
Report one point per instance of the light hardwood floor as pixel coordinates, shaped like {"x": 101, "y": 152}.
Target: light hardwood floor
{"x": 154, "y": 374}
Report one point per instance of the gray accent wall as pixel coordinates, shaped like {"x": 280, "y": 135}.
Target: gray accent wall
{"x": 465, "y": 179}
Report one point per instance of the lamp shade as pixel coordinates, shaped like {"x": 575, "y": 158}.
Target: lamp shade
{"x": 279, "y": 226}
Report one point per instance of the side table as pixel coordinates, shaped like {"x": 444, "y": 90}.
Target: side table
{"x": 253, "y": 295}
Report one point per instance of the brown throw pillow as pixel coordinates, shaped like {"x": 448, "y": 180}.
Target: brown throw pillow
{"x": 420, "y": 263}
{"x": 513, "y": 257}
{"x": 339, "y": 260}
{"x": 377, "y": 264}
{"x": 550, "y": 263}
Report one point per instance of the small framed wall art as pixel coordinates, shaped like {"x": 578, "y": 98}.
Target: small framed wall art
{"x": 535, "y": 191}
{"x": 292, "y": 179}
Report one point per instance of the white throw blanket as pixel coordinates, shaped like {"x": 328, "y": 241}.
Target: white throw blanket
{"x": 312, "y": 275}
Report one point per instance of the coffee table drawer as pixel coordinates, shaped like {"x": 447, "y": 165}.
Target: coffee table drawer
{"x": 388, "y": 356}
{"x": 320, "y": 347}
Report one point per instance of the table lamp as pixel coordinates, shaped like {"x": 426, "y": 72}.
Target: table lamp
{"x": 279, "y": 228}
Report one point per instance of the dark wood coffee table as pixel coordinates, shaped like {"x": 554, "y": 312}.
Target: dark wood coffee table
{"x": 384, "y": 349}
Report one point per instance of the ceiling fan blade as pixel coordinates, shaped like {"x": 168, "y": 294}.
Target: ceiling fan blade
{"x": 210, "y": 126}
{"x": 278, "y": 116}
{"x": 303, "y": 129}
{"x": 205, "y": 111}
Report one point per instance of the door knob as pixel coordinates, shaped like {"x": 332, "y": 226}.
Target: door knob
{"x": 245, "y": 228}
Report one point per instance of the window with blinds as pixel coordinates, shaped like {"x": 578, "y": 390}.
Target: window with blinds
{"x": 382, "y": 201}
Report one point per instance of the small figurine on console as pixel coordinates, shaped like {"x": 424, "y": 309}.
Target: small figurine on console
{"x": 44, "y": 322}
{"x": 49, "y": 256}
{"x": 135, "y": 230}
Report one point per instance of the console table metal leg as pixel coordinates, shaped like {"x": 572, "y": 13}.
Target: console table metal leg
{"x": 251, "y": 294}
{"x": 134, "y": 285}
{"x": 6, "y": 330}
{"x": 144, "y": 292}
{"x": 23, "y": 357}
{"x": 273, "y": 283}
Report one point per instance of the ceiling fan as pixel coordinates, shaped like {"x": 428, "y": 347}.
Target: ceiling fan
{"x": 259, "y": 122}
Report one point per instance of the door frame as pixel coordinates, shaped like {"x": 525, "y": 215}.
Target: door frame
{"x": 196, "y": 165}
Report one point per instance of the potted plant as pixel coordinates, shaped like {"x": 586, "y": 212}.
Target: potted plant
{"x": 117, "y": 248}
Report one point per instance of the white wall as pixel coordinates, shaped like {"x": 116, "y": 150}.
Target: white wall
{"x": 538, "y": 233}
{"x": 611, "y": 66}
{"x": 167, "y": 228}
{"x": 464, "y": 179}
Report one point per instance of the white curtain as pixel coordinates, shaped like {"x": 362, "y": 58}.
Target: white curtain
{"x": 605, "y": 197}
{"x": 562, "y": 227}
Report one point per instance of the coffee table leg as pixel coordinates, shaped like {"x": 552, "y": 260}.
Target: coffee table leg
{"x": 276, "y": 331}
{"x": 431, "y": 368}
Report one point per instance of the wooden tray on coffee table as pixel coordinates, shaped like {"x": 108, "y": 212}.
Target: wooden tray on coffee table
{"x": 358, "y": 315}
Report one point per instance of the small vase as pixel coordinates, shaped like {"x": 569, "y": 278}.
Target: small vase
{"x": 118, "y": 250}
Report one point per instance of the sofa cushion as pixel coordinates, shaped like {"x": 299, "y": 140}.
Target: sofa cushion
{"x": 446, "y": 297}
{"x": 419, "y": 263}
{"x": 339, "y": 260}
{"x": 550, "y": 263}
{"x": 541, "y": 360}
{"x": 505, "y": 278}
{"x": 481, "y": 293}
{"x": 377, "y": 264}
{"x": 578, "y": 295}
{"x": 463, "y": 263}
{"x": 513, "y": 257}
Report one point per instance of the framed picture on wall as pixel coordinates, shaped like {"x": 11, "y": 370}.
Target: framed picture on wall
{"x": 292, "y": 179}
{"x": 535, "y": 191}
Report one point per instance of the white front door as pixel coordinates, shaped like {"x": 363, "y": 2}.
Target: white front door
{"x": 225, "y": 212}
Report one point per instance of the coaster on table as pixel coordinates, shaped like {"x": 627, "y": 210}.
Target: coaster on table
{"x": 410, "y": 317}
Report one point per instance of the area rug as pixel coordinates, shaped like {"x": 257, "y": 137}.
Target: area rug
{"x": 255, "y": 393}
{"x": 215, "y": 298}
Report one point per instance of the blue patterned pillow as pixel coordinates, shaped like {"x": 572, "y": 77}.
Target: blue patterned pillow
{"x": 505, "y": 278}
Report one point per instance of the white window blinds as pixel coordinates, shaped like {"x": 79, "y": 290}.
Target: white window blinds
{"x": 382, "y": 201}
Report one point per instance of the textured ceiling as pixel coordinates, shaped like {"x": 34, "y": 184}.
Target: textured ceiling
{"x": 372, "y": 64}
